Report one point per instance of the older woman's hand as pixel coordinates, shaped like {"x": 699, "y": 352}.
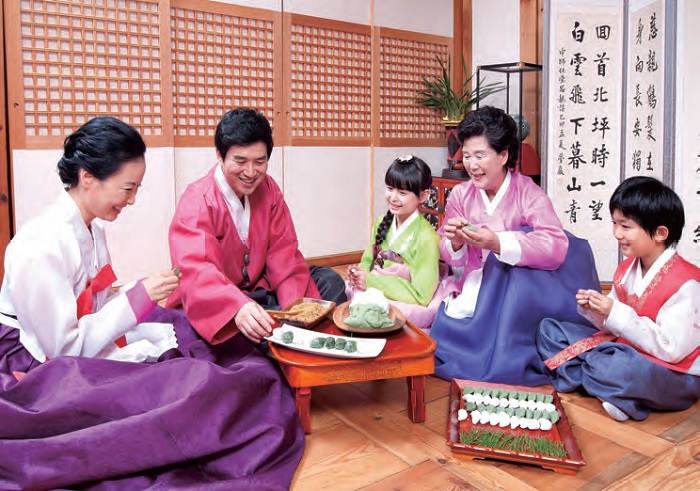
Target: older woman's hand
{"x": 453, "y": 230}
{"x": 482, "y": 238}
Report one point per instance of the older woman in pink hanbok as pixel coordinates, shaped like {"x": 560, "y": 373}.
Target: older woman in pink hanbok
{"x": 513, "y": 262}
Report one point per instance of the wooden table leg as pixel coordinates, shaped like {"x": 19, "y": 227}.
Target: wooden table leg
{"x": 416, "y": 398}
{"x": 302, "y": 399}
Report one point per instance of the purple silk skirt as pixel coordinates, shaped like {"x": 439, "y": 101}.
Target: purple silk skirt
{"x": 203, "y": 417}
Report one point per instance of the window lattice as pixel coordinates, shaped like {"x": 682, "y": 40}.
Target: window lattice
{"x": 84, "y": 58}
{"x": 330, "y": 83}
{"x": 220, "y": 62}
{"x": 403, "y": 63}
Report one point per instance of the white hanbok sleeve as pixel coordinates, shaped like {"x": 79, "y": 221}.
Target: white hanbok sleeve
{"x": 511, "y": 252}
{"x": 42, "y": 292}
{"x": 674, "y": 335}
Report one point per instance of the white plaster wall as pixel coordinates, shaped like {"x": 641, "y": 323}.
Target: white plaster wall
{"x": 190, "y": 165}
{"x": 35, "y": 182}
{"x": 355, "y": 11}
{"x": 496, "y": 39}
{"x": 328, "y": 191}
{"x": 138, "y": 238}
{"x": 435, "y": 17}
{"x": 435, "y": 157}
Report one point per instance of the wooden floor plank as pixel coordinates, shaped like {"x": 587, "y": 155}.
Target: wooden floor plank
{"x": 622, "y": 433}
{"x": 616, "y": 471}
{"x": 686, "y": 478}
{"x": 487, "y": 475}
{"x": 392, "y": 430}
{"x": 688, "y": 427}
{"x": 358, "y": 425}
{"x": 340, "y": 458}
{"x": 427, "y": 476}
{"x": 679, "y": 461}
{"x": 390, "y": 393}
{"x": 658, "y": 422}
{"x": 436, "y": 413}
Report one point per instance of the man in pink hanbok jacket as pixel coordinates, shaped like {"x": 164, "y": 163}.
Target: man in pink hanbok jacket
{"x": 233, "y": 239}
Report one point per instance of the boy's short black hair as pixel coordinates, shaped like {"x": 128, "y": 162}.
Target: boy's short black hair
{"x": 651, "y": 204}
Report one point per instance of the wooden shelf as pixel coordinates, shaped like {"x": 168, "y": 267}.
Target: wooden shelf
{"x": 434, "y": 207}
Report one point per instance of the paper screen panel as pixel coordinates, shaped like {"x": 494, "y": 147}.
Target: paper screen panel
{"x": 329, "y": 86}
{"x": 222, "y": 58}
{"x": 404, "y": 59}
{"x": 84, "y": 58}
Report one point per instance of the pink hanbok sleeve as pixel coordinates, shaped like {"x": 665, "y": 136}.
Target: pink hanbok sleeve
{"x": 209, "y": 297}
{"x": 459, "y": 204}
{"x": 524, "y": 205}
{"x": 545, "y": 247}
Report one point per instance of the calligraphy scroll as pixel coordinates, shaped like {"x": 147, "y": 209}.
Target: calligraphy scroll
{"x": 644, "y": 134}
{"x": 584, "y": 114}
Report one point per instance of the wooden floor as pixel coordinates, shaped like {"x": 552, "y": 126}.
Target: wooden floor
{"x": 363, "y": 439}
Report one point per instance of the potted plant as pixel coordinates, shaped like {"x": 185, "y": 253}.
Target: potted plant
{"x": 439, "y": 94}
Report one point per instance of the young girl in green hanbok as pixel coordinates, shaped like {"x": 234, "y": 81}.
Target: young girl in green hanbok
{"x": 402, "y": 260}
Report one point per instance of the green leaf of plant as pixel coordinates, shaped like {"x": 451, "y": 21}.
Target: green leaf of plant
{"x": 439, "y": 94}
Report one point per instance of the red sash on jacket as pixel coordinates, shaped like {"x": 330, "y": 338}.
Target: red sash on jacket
{"x": 662, "y": 287}
{"x": 102, "y": 280}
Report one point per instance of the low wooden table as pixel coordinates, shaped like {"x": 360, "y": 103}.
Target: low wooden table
{"x": 407, "y": 353}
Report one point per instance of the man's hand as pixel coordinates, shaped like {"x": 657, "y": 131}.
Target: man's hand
{"x": 253, "y": 322}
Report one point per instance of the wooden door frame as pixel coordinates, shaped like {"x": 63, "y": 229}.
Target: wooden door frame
{"x": 462, "y": 45}
{"x": 531, "y": 51}
{"x": 6, "y": 218}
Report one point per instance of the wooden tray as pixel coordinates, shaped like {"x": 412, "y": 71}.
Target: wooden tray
{"x": 343, "y": 312}
{"x": 329, "y": 306}
{"x": 560, "y": 432}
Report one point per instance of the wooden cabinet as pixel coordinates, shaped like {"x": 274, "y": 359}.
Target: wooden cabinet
{"x": 434, "y": 207}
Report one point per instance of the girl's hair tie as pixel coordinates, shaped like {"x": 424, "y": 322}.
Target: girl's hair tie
{"x": 405, "y": 158}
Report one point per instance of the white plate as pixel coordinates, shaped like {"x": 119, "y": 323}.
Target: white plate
{"x": 366, "y": 348}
